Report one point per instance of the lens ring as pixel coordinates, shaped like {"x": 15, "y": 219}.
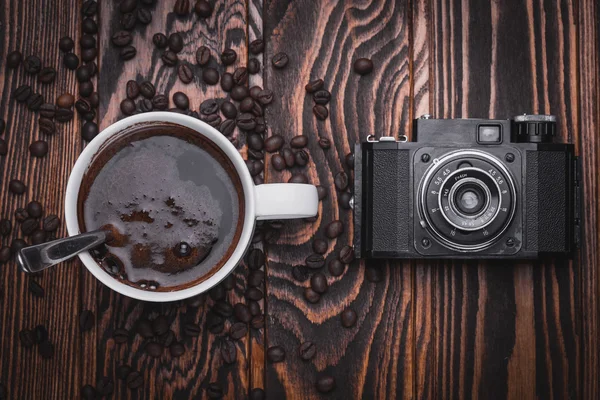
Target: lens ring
{"x": 469, "y": 199}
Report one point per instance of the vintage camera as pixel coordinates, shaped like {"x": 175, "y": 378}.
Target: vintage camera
{"x": 468, "y": 188}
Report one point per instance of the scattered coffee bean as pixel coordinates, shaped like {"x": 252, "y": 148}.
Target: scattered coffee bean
{"x": 274, "y": 143}
{"x": 289, "y": 157}
{"x": 127, "y": 53}
{"x": 203, "y": 8}
{"x": 32, "y": 64}
{"x": 167, "y": 338}
{"x": 228, "y": 109}
{"x": 86, "y": 320}
{"x": 128, "y": 107}
{"x": 307, "y": 350}
{"x": 227, "y": 127}
{"x": 144, "y": 16}
{"x": 66, "y": 44}
{"x": 16, "y": 186}
{"x": 191, "y": 329}
{"x": 239, "y": 93}
{"x": 181, "y": 100}
{"x": 275, "y": 354}
{"x": 363, "y": 66}
{"x": 334, "y": 229}
{"x": 253, "y": 66}
{"x": 182, "y": 7}
{"x": 348, "y": 318}
{"x": 22, "y": 93}
{"x": 203, "y": 55}
{"x": 320, "y": 112}
{"x": 210, "y": 76}
{"x": 257, "y": 394}
{"x": 313, "y": 86}
{"x": 160, "y": 40}
{"x": 47, "y": 126}
{"x": 134, "y": 380}
{"x": 35, "y": 209}
{"x": 324, "y": 143}
{"x": 336, "y": 267}
{"x": 321, "y": 97}
{"x": 257, "y": 46}
{"x": 300, "y": 273}
{"x": 318, "y": 283}
{"x": 21, "y": 214}
{"x": 89, "y": 8}
{"x": 128, "y": 21}
{"x": 256, "y": 259}
{"x": 35, "y": 101}
{"x": 242, "y": 312}
{"x": 246, "y": 121}
{"x": 48, "y": 110}
{"x": 88, "y": 25}
{"x": 255, "y": 278}
{"x": 82, "y": 74}
{"x": 298, "y": 178}
{"x": 253, "y": 294}
{"x": 16, "y": 245}
{"x": 255, "y": 141}
{"x": 3, "y": 147}
{"x": 350, "y": 161}
{"x": 123, "y": 371}
{"x": 240, "y": 76}
{"x": 299, "y": 141}
{"x": 145, "y": 330}
{"x": 47, "y": 75}
{"x": 215, "y": 323}
{"x": 2, "y": 126}
{"x": 347, "y": 254}
{"x": 344, "y": 200}
{"x": 66, "y": 100}
{"x": 71, "y": 61}
{"x": 38, "y": 237}
{"x": 209, "y": 106}
{"x": 175, "y": 42}
{"x": 29, "y": 225}
{"x": 36, "y": 289}
{"x": 321, "y": 192}
{"x": 320, "y": 246}
{"x": 160, "y": 325}
{"x": 41, "y": 334}
{"x": 13, "y": 59}
{"x": 227, "y": 82}
{"x": 280, "y": 60}
{"x": 121, "y": 38}
{"x": 153, "y": 349}
{"x": 185, "y": 73}
{"x": 340, "y": 181}
{"x": 127, "y": 6}
{"x": 238, "y": 330}
{"x": 27, "y": 338}
{"x": 147, "y": 89}
{"x": 86, "y": 89}
{"x": 325, "y": 384}
{"x": 278, "y": 162}
{"x": 145, "y": 105}
{"x": 5, "y": 227}
{"x": 160, "y": 102}
{"x": 316, "y": 261}
{"x": 254, "y": 308}
{"x": 301, "y": 157}
{"x": 265, "y": 96}
{"x": 223, "y": 308}
{"x": 214, "y": 391}
{"x": 176, "y": 349}
{"x": 87, "y": 41}
{"x": 257, "y": 155}
{"x": 217, "y": 293}
{"x": 247, "y": 104}
{"x": 51, "y": 223}
{"x": 63, "y": 114}
{"x": 120, "y": 335}
{"x": 228, "y": 56}
{"x": 311, "y": 296}
{"x": 46, "y": 350}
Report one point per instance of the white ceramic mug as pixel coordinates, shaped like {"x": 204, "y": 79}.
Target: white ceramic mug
{"x": 268, "y": 201}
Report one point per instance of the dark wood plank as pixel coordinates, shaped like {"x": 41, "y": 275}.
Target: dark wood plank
{"x": 504, "y": 329}
{"x": 26, "y": 375}
{"x": 589, "y": 108}
{"x": 189, "y": 375}
{"x": 374, "y": 359}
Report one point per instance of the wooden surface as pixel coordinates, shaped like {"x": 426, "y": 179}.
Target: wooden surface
{"x": 425, "y": 329}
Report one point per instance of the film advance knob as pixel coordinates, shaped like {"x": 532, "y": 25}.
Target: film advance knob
{"x": 535, "y": 128}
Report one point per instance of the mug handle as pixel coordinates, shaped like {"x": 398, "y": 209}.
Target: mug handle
{"x": 285, "y": 201}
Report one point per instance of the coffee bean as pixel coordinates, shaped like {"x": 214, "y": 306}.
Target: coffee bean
{"x": 246, "y": 121}
{"x": 325, "y": 384}
{"x": 256, "y": 278}
{"x": 320, "y": 246}
{"x": 160, "y": 325}
{"x": 185, "y": 73}
{"x": 255, "y": 167}
{"x": 363, "y": 66}
{"x": 253, "y": 66}
{"x": 311, "y": 296}
{"x": 275, "y": 354}
{"x": 265, "y": 97}
{"x": 71, "y": 61}
{"x": 128, "y": 21}
{"x": 47, "y": 75}
{"x": 209, "y": 106}
{"x": 128, "y": 107}
{"x": 16, "y": 245}
{"x": 256, "y": 154}
{"x": 238, "y": 330}
{"x": 160, "y": 102}
{"x": 127, "y": 53}
{"x": 316, "y": 261}
{"x": 176, "y": 349}
{"x": 274, "y": 143}
{"x": 256, "y": 259}
{"x": 336, "y": 267}
{"x": 227, "y": 82}
{"x": 182, "y": 7}
{"x": 154, "y": 349}
{"x": 41, "y": 334}
{"x": 228, "y": 109}
{"x": 223, "y": 308}
{"x": 181, "y": 100}
{"x": 240, "y": 76}
{"x": 215, "y": 323}
{"x": 347, "y": 254}
{"x": 65, "y": 100}
{"x": 242, "y": 313}
{"x": 5, "y": 227}
{"x": 89, "y": 393}
{"x": 227, "y": 127}
{"x": 160, "y": 40}
{"x": 35, "y": 101}
{"x": 344, "y": 200}
{"x": 307, "y": 350}
{"x": 13, "y": 59}
{"x": 83, "y": 74}
{"x": 63, "y": 114}
{"x": 120, "y": 335}
{"x": 86, "y": 89}
{"x": 213, "y": 120}
{"x": 87, "y": 41}
{"x": 254, "y": 308}
{"x": 145, "y": 105}
{"x": 321, "y": 192}
{"x": 123, "y": 371}
{"x": 134, "y": 380}
{"x": 257, "y": 46}
{"x": 324, "y": 143}
{"x": 340, "y": 181}
{"x": 313, "y": 86}
{"x": 93, "y": 68}
{"x": 239, "y": 93}
{"x": 203, "y": 8}
{"x": 88, "y": 25}
{"x": 38, "y": 237}
{"x": 348, "y": 318}
{"x": 278, "y": 162}
{"x": 46, "y": 350}
{"x": 3, "y": 147}
{"x": 175, "y": 42}
{"x": 280, "y": 60}
{"x": 321, "y": 97}
{"x": 36, "y": 289}
{"x": 144, "y": 16}
{"x": 288, "y": 157}
{"x": 47, "y": 110}
{"x": 27, "y": 338}
{"x": 253, "y": 294}
{"x": 47, "y": 126}
{"x": 82, "y": 107}
{"x": 22, "y": 93}
{"x": 35, "y": 209}
{"x": 147, "y": 89}
{"x": 318, "y": 283}
{"x": 214, "y": 391}
{"x": 86, "y": 320}
{"x": 167, "y": 338}
{"x": 16, "y": 186}
{"x": 300, "y": 273}
{"x": 32, "y": 64}
{"x": 203, "y": 56}
{"x": 51, "y": 223}
{"x": 320, "y": 112}
{"x": 298, "y": 178}
{"x": 191, "y": 329}
{"x": 334, "y": 229}
{"x": 217, "y": 293}
{"x": 127, "y": 6}
{"x": 350, "y": 161}
{"x": 144, "y": 329}
{"x": 257, "y": 394}
{"x": 301, "y": 157}
{"x": 228, "y": 56}
{"x": 299, "y": 141}
{"x": 257, "y": 322}
{"x": 121, "y": 38}
{"x": 255, "y": 91}
{"x": 210, "y": 76}
{"x": 89, "y": 8}
{"x": 21, "y": 214}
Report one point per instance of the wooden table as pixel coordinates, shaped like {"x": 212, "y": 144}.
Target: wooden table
{"x": 425, "y": 329}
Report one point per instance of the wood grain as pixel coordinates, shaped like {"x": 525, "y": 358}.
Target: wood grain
{"x": 374, "y": 358}
{"x": 25, "y": 374}
{"x": 189, "y": 375}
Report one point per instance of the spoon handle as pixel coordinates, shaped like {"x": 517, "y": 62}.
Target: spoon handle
{"x": 39, "y": 257}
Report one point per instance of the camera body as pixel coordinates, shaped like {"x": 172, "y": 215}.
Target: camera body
{"x": 468, "y": 188}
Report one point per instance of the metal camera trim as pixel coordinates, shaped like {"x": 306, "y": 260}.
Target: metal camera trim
{"x": 483, "y": 210}
{"x": 435, "y": 166}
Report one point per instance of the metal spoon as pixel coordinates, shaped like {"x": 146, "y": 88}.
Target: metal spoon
{"x": 39, "y": 257}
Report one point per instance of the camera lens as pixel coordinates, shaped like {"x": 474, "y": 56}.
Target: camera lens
{"x": 469, "y": 199}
